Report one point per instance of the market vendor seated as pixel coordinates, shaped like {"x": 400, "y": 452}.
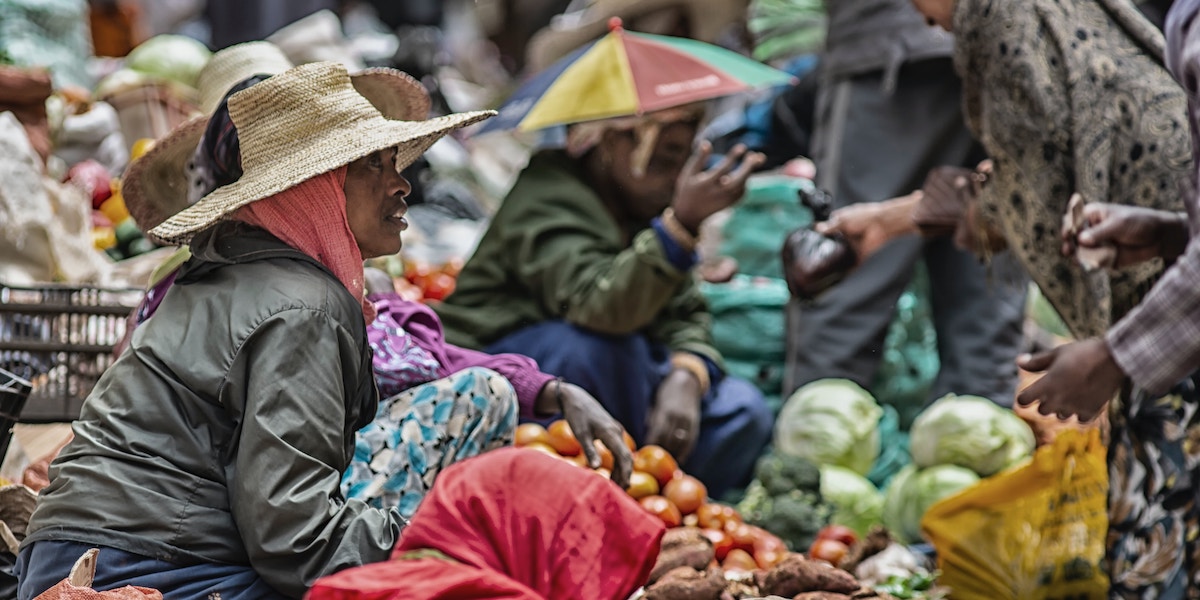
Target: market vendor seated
{"x": 423, "y": 379}
{"x": 587, "y": 268}
{"x": 209, "y": 460}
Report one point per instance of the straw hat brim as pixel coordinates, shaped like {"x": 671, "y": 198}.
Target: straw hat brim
{"x": 333, "y": 149}
{"x": 155, "y": 186}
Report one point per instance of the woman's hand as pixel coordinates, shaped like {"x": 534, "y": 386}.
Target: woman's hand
{"x": 870, "y": 225}
{"x": 699, "y": 194}
{"x": 675, "y": 419}
{"x": 1139, "y": 234}
{"x": 1080, "y": 379}
{"x": 589, "y": 421}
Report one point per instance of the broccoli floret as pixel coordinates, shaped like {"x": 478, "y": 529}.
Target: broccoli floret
{"x": 796, "y": 516}
{"x": 783, "y": 474}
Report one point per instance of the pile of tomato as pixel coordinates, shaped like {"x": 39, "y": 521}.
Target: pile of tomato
{"x": 665, "y": 491}
{"x": 423, "y": 282}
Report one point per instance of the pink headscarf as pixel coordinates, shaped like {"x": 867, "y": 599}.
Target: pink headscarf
{"x": 311, "y": 217}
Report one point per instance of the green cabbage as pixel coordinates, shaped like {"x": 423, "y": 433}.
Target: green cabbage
{"x": 912, "y": 491}
{"x": 857, "y": 503}
{"x": 830, "y": 422}
{"x": 172, "y": 57}
{"x": 970, "y": 432}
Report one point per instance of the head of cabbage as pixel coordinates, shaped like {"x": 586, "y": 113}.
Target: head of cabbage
{"x": 830, "y": 422}
{"x": 912, "y": 491}
{"x": 171, "y": 57}
{"x": 970, "y": 432}
{"x": 856, "y": 502}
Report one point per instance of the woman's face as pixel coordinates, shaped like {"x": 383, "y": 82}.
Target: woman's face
{"x": 650, "y": 194}
{"x": 938, "y": 12}
{"x": 375, "y": 204}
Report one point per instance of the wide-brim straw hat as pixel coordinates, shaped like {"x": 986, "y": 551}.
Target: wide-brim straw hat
{"x": 706, "y": 19}
{"x": 156, "y": 186}
{"x": 299, "y": 124}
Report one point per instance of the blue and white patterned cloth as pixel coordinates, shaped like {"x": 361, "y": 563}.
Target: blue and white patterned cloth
{"x": 425, "y": 429}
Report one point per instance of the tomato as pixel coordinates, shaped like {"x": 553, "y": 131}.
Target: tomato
{"x": 453, "y": 267}
{"x": 629, "y": 441}
{"x": 769, "y": 558}
{"x": 416, "y": 272}
{"x": 655, "y": 461}
{"x": 691, "y": 521}
{"x": 739, "y": 560}
{"x": 743, "y": 536}
{"x": 721, "y": 541}
{"x": 528, "y": 433}
{"x": 663, "y": 509}
{"x": 541, "y": 447}
{"x": 714, "y": 516}
{"x": 606, "y": 455}
{"x": 578, "y": 460}
{"x": 438, "y": 286}
{"x": 687, "y": 493}
{"x": 605, "y": 473}
{"x": 839, "y": 533}
{"x": 767, "y": 542}
{"x": 830, "y": 551}
{"x": 562, "y": 439}
{"x": 641, "y": 485}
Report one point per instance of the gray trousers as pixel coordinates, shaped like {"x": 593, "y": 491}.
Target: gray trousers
{"x": 871, "y": 146}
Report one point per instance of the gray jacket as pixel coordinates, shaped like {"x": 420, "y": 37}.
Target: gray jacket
{"x": 222, "y": 433}
{"x": 865, "y": 36}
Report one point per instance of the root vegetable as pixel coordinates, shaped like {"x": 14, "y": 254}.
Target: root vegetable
{"x": 796, "y": 575}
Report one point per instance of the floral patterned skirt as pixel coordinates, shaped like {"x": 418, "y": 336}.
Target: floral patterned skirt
{"x": 1154, "y": 495}
{"x": 425, "y": 429}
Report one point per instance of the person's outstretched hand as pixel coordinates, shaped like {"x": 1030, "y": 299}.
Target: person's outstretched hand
{"x": 1138, "y": 234}
{"x": 868, "y": 226}
{"x": 699, "y": 194}
{"x": 675, "y": 419}
{"x": 589, "y": 421}
{"x": 1080, "y": 379}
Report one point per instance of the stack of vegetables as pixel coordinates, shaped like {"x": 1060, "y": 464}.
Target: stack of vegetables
{"x": 955, "y": 442}
{"x": 113, "y": 229}
{"x": 834, "y": 424}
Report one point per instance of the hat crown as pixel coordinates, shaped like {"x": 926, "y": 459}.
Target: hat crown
{"x": 296, "y": 109}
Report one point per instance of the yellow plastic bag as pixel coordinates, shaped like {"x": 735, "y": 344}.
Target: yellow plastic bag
{"x": 1036, "y": 532}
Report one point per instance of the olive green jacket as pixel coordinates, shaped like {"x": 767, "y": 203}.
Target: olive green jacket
{"x": 222, "y": 433}
{"x": 553, "y": 251}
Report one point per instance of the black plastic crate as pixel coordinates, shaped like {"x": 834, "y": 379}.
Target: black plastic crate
{"x": 14, "y": 391}
{"x": 60, "y": 338}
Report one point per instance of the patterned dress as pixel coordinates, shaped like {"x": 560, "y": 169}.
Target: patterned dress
{"x": 1072, "y": 96}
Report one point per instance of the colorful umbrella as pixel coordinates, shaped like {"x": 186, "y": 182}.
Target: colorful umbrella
{"x": 628, "y": 73}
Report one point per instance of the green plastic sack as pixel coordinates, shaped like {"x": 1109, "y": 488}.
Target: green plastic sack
{"x": 758, "y": 225}
{"x": 766, "y": 376}
{"x": 47, "y": 33}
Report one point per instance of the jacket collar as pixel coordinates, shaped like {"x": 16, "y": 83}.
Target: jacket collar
{"x": 235, "y": 242}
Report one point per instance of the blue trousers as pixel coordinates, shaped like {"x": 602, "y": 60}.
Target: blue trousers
{"x": 623, "y": 373}
{"x": 41, "y": 565}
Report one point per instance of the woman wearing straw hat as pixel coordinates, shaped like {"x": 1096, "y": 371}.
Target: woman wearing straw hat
{"x": 410, "y": 354}
{"x": 208, "y": 461}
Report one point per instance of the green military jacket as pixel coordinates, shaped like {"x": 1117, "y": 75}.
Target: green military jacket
{"x": 553, "y": 251}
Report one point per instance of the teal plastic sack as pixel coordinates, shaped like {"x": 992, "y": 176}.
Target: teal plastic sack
{"x": 759, "y": 224}
{"x": 893, "y": 448}
{"x": 910, "y": 359}
{"x": 748, "y": 329}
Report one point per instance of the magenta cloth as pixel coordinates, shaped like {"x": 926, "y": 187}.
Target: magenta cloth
{"x": 410, "y": 349}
